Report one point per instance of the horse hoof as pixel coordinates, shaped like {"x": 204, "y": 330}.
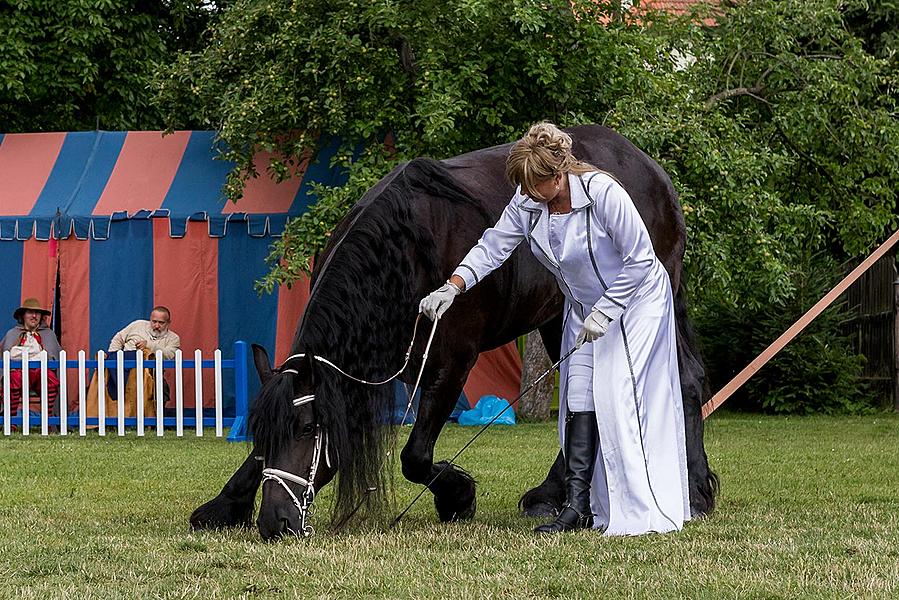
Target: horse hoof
{"x": 222, "y": 513}
{"x": 541, "y": 510}
{"x": 459, "y": 510}
{"x": 542, "y": 501}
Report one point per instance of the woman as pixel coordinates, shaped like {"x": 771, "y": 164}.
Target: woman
{"x": 620, "y": 413}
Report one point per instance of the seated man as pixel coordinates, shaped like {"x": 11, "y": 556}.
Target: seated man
{"x": 32, "y": 334}
{"x": 153, "y": 335}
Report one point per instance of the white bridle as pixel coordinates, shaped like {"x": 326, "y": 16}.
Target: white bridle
{"x": 304, "y": 506}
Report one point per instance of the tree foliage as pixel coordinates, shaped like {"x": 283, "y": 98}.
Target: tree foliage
{"x": 876, "y": 23}
{"x": 781, "y": 144}
{"x": 778, "y": 144}
{"x": 441, "y": 78}
{"x": 80, "y": 64}
{"x": 770, "y": 137}
{"x": 777, "y": 120}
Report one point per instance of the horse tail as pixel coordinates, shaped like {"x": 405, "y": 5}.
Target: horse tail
{"x": 687, "y": 340}
{"x": 704, "y": 483}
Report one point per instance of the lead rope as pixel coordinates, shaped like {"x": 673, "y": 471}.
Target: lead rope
{"x": 305, "y": 507}
{"x": 424, "y": 360}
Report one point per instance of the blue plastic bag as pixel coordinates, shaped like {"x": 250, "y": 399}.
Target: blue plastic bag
{"x": 487, "y": 408}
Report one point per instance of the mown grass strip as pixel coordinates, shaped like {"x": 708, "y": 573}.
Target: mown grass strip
{"x": 809, "y": 508}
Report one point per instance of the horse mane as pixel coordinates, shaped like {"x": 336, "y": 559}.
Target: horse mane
{"x": 362, "y": 306}
{"x": 272, "y": 416}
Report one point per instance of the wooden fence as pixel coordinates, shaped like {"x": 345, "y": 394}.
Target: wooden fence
{"x": 874, "y": 299}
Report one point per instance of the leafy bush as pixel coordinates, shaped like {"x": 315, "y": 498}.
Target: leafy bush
{"x": 82, "y": 64}
{"x": 817, "y": 372}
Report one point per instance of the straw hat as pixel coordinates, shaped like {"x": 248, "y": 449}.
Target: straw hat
{"x": 29, "y": 304}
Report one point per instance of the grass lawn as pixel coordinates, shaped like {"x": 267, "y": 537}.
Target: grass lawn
{"x": 809, "y": 508}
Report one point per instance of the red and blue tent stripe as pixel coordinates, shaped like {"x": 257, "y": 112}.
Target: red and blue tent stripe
{"x": 141, "y": 221}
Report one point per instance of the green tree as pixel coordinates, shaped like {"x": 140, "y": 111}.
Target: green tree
{"x": 79, "y": 64}
{"x": 441, "y": 78}
{"x": 778, "y": 124}
{"x": 780, "y": 143}
{"x": 877, "y": 24}
{"x": 780, "y": 137}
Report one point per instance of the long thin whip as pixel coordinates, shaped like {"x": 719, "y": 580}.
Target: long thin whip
{"x": 451, "y": 462}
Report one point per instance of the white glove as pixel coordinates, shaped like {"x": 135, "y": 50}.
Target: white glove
{"x": 595, "y": 326}
{"x": 437, "y": 302}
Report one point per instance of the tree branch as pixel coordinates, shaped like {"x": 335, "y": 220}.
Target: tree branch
{"x": 755, "y": 92}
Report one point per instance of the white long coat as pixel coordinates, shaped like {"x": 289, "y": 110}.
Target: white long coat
{"x": 607, "y": 263}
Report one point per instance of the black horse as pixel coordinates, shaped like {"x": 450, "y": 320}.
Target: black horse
{"x": 401, "y": 241}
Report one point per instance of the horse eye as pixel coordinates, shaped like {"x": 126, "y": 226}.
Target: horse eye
{"x": 307, "y": 430}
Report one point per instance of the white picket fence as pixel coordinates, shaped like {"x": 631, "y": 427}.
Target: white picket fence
{"x": 66, "y": 420}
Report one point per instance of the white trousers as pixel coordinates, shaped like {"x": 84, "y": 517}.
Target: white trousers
{"x": 580, "y": 380}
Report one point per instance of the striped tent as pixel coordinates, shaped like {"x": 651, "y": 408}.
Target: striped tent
{"x": 105, "y": 225}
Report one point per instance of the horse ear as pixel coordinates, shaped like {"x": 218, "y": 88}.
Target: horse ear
{"x": 263, "y": 366}
{"x": 308, "y": 370}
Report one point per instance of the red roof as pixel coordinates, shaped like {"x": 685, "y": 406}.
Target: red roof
{"x": 678, "y": 7}
{"x": 674, "y": 7}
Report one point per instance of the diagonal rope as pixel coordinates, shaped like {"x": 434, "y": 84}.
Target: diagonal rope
{"x": 324, "y": 360}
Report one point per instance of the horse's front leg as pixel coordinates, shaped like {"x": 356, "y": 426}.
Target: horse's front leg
{"x": 233, "y": 507}
{"x": 453, "y": 487}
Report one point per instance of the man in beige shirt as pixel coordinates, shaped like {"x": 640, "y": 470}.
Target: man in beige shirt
{"x": 153, "y": 335}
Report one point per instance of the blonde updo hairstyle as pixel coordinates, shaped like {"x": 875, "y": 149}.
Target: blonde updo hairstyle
{"x": 544, "y": 151}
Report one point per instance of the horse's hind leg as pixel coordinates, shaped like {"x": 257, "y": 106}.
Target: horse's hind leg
{"x": 453, "y": 487}
{"x": 546, "y": 499}
{"x": 233, "y": 507}
{"x": 702, "y": 481}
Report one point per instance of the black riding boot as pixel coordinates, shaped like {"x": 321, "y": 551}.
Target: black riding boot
{"x": 581, "y": 437}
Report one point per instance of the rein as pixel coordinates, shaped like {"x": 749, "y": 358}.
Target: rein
{"x": 424, "y": 360}
{"x": 304, "y": 505}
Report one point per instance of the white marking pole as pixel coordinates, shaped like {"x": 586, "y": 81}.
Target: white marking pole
{"x": 140, "y": 393}
{"x": 218, "y": 392}
{"x": 101, "y": 392}
{"x": 45, "y": 396}
{"x": 120, "y": 390}
{"x": 26, "y": 405}
{"x": 179, "y": 395}
{"x": 198, "y": 391}
{"x": 7, "y": 417}
{"x": 62, "y": 400}
{"x": 160, "y": 427}
{"x": 82, "y": 393}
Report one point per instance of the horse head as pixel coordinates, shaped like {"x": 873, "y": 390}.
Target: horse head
{"x": 293, "y": 444}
